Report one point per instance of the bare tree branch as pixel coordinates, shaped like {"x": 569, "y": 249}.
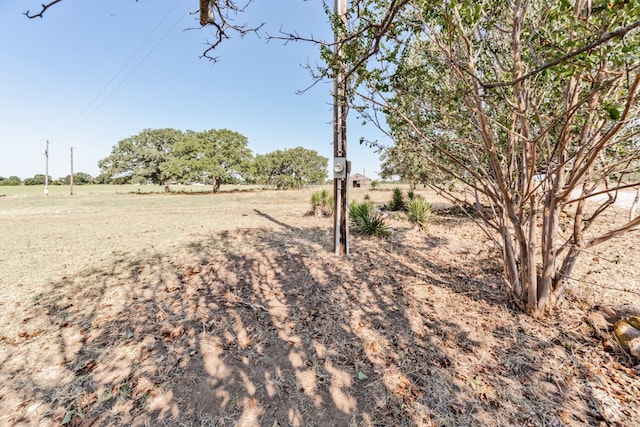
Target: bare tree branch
{"x": 44, "y": 9}
{"x": 629, "y": 226}
{"x": 220, "y": 15}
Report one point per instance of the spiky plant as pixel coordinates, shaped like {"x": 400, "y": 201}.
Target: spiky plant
{"x": 327, "y": 203}
{"x": 316, "y": 203}
{"x": 322, "y": 203}
{"x": 419, "y": 211}
{"x": 366, "y": 221}
{"x": 397, "y": 202}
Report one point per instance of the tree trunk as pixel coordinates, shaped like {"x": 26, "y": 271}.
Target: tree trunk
{"x": 215, "y": 185}
{"x": 550, "y": 225}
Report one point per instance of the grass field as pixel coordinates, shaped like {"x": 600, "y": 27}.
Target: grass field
{"x": 49, "y": 237}
{"x": 121, "y": 305}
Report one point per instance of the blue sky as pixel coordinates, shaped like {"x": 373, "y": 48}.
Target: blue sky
{"x": 91, "y": 73}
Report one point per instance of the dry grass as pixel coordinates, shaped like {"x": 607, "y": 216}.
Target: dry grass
{"x": 126, "y": 309}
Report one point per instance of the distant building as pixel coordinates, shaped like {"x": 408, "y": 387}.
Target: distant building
{"x": 357, "y": 180}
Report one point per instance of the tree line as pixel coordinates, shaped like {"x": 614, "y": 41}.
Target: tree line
{"x": 79, "y": 178}
{"x": 211, "y": 157}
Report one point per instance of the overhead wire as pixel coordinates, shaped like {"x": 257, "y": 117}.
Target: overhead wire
{"x": 70, "y": 129}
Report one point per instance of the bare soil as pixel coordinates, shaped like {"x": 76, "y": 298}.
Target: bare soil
{"x": 253, "y": 321}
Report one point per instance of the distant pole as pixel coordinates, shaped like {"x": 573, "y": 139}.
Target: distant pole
{"x": 340, "y": 165}
{"x": 46, "y": 168}
{"x": 71, "y": 175}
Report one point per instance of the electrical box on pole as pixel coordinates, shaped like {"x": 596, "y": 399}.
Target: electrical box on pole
{"x": 339, "y": 168}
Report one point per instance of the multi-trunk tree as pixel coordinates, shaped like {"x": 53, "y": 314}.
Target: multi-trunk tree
{"x": 529, "y": 105}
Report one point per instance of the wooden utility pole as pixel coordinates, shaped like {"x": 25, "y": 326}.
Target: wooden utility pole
{"x": 206, "y": 12}
{"x": 340, "y": 164}
{"x": 71, "y": 175}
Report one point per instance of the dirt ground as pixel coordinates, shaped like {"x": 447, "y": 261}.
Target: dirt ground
{"x": 261, "y": 325}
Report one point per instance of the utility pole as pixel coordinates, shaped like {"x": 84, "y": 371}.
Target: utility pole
{"x": 71, "y": 175}
{"x": 46, "y": 168}
{"x": 340, "y": 165}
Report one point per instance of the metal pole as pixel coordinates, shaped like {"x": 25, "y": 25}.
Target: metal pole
{"x": 346, "y": 210}
{"x": 46, "y": 168}
{"x": 340, "y": 144}
{"x": 71, "y": 175}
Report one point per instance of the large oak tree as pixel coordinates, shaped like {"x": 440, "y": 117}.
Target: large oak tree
{"x": 214, "y": 157}
{"x": 290, "y": 168}
{"x": 142, "y": 158}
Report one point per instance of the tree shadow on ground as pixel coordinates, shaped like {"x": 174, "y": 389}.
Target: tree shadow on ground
{"x": 264, "y": 327}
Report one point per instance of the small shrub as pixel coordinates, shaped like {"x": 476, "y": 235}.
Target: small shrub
{"x": 322, "y": 203}
{"x": 397, "y": 200}
{"x": 411, "y": 195}
{"x": 419, "y": 211}
{"x": 366, "y": 221}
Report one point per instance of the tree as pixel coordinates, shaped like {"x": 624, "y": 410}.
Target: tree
{"x": 530, "y": 105}
{"x": 102, "y": 179}
{"x": 37, "y": 179}
{"x": 142, "y": 158}
{"x": 79, "y": 178}
{"x": 403, "y": 161}
{"x": 290, "y": 168}
{"x": 12, "y": 180}
{"x": 159, "y": 156}
{"x": 214, "y": 156}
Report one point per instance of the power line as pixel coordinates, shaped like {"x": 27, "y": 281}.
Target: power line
{"x": 121, "y": 70}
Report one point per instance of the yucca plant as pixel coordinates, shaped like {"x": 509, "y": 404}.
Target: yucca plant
{"x": 397, "y": 200}
{"x": 322, "y": 203}
{"x": 419, "y": 211}
{"x": 327, "y": 205}
{"x": 366, "y": 221}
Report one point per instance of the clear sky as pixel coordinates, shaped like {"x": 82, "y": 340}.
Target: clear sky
{"x": 91, "y": 73}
